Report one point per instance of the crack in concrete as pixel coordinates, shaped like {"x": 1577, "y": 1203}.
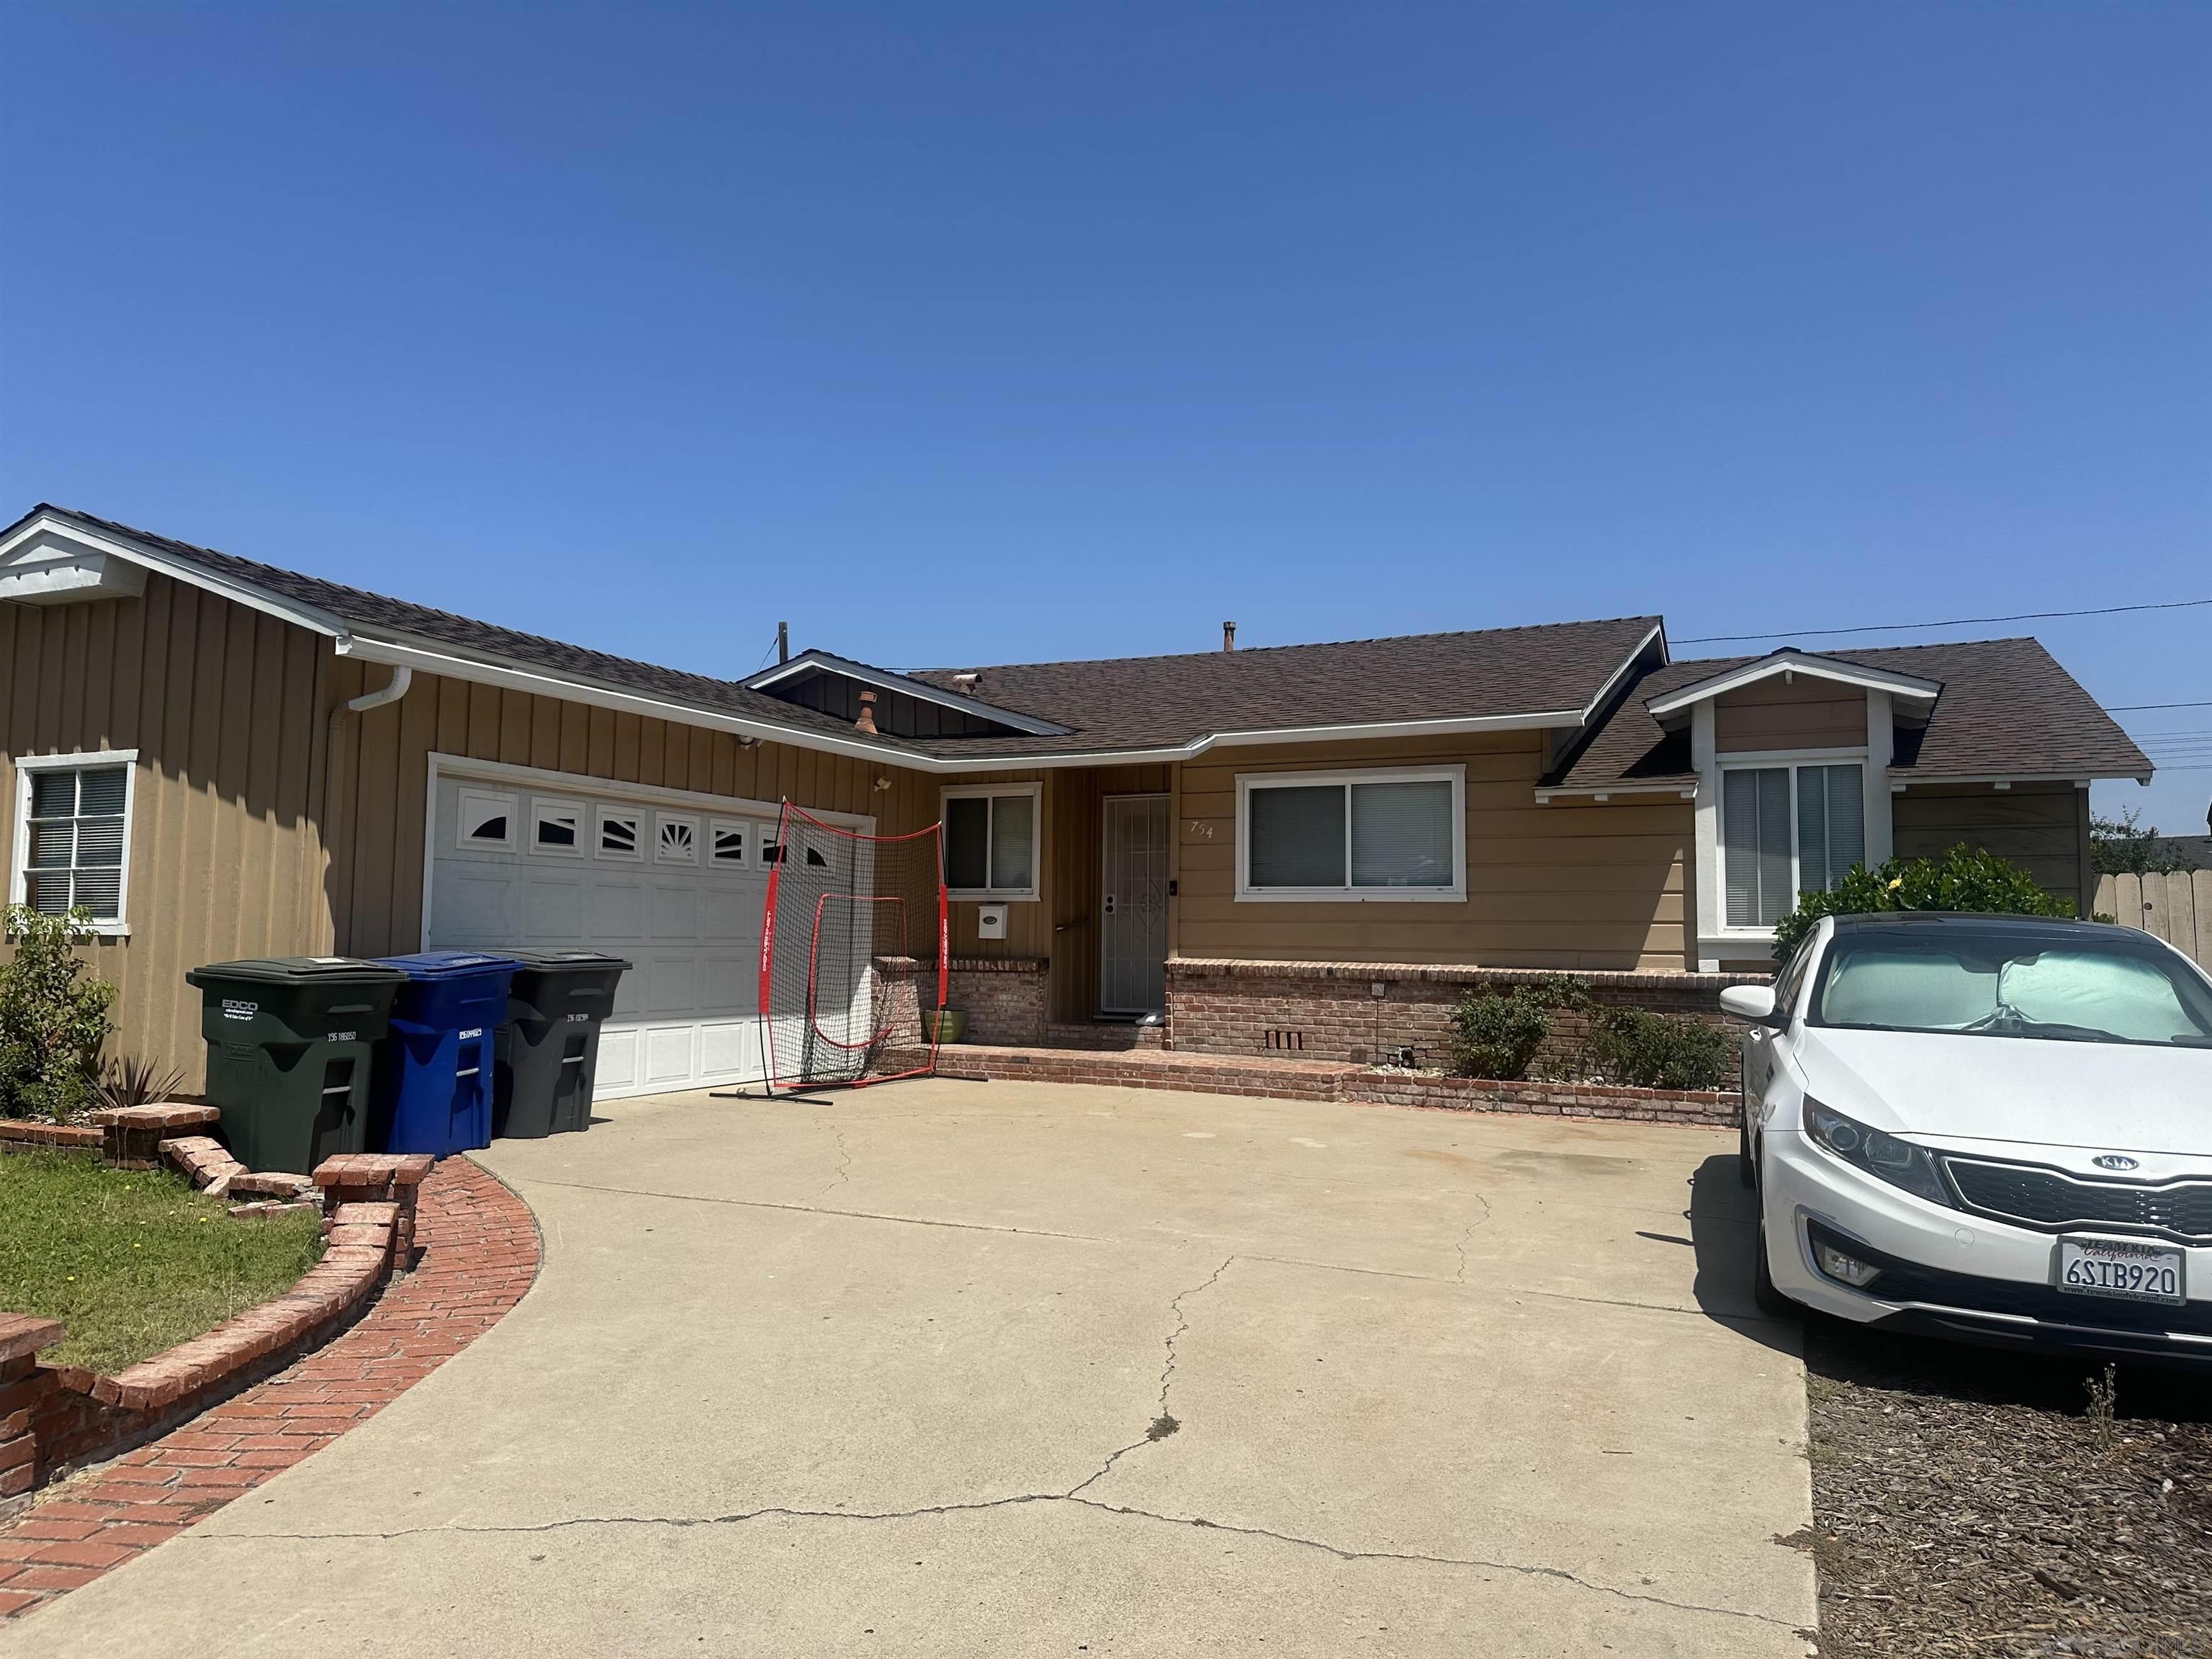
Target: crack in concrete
{"x": 779, "y": 1511}
{"x": 1167, "y": 1380}
{"x": 812, "y": 1209}
{"x": 844, "y": 1159}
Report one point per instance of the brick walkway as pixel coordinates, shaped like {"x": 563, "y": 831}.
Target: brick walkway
{"x": 479, "y": 1253}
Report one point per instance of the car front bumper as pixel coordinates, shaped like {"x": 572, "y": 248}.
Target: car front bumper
{"x": 1949, "y": 1272}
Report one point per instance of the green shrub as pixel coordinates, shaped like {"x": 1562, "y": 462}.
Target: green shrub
{"x": 1964, "y": 878}
{"x": 2123, "y": 847}
{"x": 53, "y": 1019}
{"x": 1645, "y": 1050}
{"x": 1496, "y": 1034}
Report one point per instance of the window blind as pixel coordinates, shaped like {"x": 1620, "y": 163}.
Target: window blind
{"x": 1755, "y": 843}
{"x": 1830, "y": 825}
{"x": 1402, "y": 835}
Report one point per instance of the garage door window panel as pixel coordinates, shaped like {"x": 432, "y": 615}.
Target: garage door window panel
{"x": 620, "y": 835}
{"x": 556, "y": 827}
{"x": 486, "y": 822}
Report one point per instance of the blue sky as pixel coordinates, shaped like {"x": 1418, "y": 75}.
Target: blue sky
{"x": 963, "y": 333}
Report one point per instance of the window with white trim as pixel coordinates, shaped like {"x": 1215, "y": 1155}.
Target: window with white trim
{"x": 73, "y": 837}
{"x": 486, "y": 819}
{"x": 556, "y": 827}
{"x": 1786, "y": 830}
{"x": 1365, "y": 835}
{"x": 676, "y": 840}
{"x": 726, "y": 841}
{"x": 991, "y": 841}
{"x": 618, "y": 835}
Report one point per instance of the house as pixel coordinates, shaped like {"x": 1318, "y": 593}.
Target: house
{"x": 1311, "y": 849}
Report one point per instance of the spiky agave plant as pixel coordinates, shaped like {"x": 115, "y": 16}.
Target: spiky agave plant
{"x": 129, "y": 1082}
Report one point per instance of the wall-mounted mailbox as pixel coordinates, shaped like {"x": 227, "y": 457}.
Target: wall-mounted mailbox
{"x": 991, "y": 922}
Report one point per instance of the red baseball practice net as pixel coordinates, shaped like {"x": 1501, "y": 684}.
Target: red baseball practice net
{"x": 853, "y": 949}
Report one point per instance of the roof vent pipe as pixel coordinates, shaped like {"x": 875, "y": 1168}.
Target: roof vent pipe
{"x": 868, "y": 721}
{"x": 782, "y": 642}
{"x": 1229, "y": 636}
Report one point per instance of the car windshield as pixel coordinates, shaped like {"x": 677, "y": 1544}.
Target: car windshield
{"x": 2074, "y": 989}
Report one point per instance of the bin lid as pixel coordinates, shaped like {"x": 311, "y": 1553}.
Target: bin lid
{"x": 450, "y": 964}
{"x": 576, "y": 961}
{"x": 298, "y": 970}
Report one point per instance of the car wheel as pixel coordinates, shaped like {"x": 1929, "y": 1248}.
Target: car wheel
{"x": 1771, "y": 1301}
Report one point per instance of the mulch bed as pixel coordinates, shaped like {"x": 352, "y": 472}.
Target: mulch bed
{"x": 1970, "y": 1502}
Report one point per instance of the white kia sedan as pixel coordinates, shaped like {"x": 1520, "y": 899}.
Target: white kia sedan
{"x": 1994, "y": 1128}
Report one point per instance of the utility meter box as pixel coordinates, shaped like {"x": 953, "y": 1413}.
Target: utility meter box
{"x": 991, "y": 922}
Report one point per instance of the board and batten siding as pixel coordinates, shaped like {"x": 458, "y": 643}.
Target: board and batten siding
{"x": 1775, "y": 715}
{"x": 221, "y": 702}
{"x": 376, "y": 884}
{"x": 2044, "y": 827}
{"x": 1564, "y": 885}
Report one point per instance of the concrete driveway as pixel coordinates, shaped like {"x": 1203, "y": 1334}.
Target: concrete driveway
{"x": 1002, "y": 1369}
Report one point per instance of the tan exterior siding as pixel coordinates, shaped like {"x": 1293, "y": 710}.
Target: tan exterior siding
{"x": 220, "y": 701}
{"x": 1077, "y": 808}
{"x": 2044, "y": 827}
{"x": 1811, "y": 713}
{"x": 384, "y": 769}
{"x": 1557, "y": 886}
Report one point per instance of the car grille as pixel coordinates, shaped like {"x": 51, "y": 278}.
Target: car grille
{"x": 2050, "y": 1201}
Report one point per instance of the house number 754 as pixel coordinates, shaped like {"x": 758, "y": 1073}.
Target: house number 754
{"x": 1201, "y": 828}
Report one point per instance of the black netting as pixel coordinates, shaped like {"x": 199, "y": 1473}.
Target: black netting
{"x": 853, "y": 949}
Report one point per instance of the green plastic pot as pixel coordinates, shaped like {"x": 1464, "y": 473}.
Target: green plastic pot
{"x": 943, "y": 1024}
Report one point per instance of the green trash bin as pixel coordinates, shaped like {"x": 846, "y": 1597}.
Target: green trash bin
{"x": 289, "y": 1041}
{"x": 548, "y": 1055}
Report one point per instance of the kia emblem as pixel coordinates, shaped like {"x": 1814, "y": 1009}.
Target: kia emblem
{"x": 2113, "y": 1161}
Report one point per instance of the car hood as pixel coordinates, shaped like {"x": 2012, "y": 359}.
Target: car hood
{"x": 2120, "y": 1097}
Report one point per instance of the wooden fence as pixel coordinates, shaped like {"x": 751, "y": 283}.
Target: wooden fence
{"x": 2178, "y": 909}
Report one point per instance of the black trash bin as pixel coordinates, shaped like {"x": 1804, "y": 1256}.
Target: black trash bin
{"x": 549, "y": 1051}
{"x": 289, "y": 1041}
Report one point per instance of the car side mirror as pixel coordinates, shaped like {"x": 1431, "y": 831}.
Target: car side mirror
{"x": 1753, "y": 1002}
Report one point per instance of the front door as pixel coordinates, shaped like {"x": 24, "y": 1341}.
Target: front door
{"x": 1133, "y": 907}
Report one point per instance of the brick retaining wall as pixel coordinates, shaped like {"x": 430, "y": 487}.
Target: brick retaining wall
{"x": 1330, "y": 1011}
{"x": 1326, "y": 1080}
{"x": 1004, "y": 998}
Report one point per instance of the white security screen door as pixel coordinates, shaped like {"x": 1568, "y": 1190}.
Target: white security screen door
{"x": 1133, "y": 906}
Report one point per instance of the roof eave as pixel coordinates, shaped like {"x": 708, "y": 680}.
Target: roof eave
{"x": 1794, "y": 662}
{"x": 884, "y": 680}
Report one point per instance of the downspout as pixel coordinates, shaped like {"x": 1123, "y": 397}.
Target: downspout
{"x": 334, "y": 755}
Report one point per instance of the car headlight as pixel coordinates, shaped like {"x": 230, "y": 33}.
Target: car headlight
{"x": 1899, "y": 1163}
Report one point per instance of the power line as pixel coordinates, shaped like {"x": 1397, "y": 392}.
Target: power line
{"x": 2136, "y": 708}
{"x": 1955, "y": 622}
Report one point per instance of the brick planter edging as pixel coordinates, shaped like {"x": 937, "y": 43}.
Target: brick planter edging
{"x": 54, "y": 1418}
{"x": 480, "y": 1251}
{"x": 1316, "y": 1080}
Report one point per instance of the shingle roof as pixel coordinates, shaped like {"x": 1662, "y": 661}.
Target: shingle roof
{"x": 1133, "y": 702}
{"x": 357, "y": 608}
{"x": 2006, "y": 708}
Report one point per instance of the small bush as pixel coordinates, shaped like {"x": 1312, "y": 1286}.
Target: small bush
{"x": 1496, "y": 1034}
{"x": 2123, "y": 847}
{"x": 53, "y": 1019}
{"x": 1645, "y": 1050}
{"x": 1964, "y": 878}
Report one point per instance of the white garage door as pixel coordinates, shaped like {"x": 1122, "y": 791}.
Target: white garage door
{"x": 677, "y": 890}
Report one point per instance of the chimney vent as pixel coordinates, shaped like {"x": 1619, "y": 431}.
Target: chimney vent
{"x": 868, "y": 721}
{"x": 1229, "y": 636}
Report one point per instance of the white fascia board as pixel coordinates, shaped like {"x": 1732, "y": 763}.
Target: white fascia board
{"x": 1657, "y": 631}
{"x": 922, "y": 690}
{"x": 133, "y": 552}
{"x": 1793, "y": 662}
{"x": 522, "y": 677}
{"x": 1902, "y": 777}
{"x": 1605, "y": 791}
{"x": 542, "y": 682}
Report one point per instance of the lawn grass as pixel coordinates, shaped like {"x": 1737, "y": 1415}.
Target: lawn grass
{"x": 134, "y": 1261}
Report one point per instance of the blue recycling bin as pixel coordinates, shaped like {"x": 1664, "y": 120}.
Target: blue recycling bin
{"x": 433, "y": 1070}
